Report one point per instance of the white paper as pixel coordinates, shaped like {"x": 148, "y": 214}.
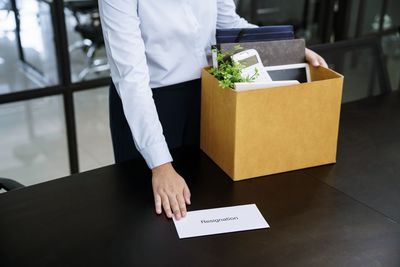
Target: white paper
{"x": 220, "y": 220}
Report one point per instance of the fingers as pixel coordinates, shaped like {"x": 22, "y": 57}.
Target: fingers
{"x": 175, "y": 206}
{"x": 315, "y": 59}
{"x": 171, "y": 193}
{"x": 182, "y": 205}
{"x": 186, "y": 194}
{"x": 322, "y": 62}
{"x": 166, "y": 206}
{"x": 172, "y": 205}
{"x": 310, "y": 57}
{"x": 157, "y": 203}
{"x": 319, "y": 61}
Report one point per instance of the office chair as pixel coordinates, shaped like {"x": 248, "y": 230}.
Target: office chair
{"x": 6, "y": 5}
{"x": 273, "y": 12}
{"x": 8, "y": 184}
{"x": 91, "y": 33}
{"x": 362, "y": 63}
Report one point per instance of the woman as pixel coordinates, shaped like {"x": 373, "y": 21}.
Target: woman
{"x": 156, "y": 50}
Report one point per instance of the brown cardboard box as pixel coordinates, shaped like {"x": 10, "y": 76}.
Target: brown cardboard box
{"x": 260, "y": 132}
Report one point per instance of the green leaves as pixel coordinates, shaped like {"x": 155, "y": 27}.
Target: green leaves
{"x": 228, "y": 72}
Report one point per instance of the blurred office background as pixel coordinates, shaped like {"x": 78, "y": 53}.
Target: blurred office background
{"x": 54, "y": 75}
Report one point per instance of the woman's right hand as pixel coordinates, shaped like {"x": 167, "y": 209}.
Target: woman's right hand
{"x": 170, "y": 190}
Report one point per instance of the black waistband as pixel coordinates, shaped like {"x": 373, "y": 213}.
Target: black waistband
{"x": 179, "y": 86}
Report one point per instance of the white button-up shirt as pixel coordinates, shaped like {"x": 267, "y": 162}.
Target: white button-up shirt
{"x": 154, "y": 43}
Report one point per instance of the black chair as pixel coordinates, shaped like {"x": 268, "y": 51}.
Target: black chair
{"x": 91, "y": 33}
{"x": 362, "y": 63}
{"x": 273, "y": 12}
{"x": 8, "y": 184}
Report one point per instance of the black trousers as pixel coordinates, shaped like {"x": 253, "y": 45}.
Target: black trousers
{"x": 178, "y": 108}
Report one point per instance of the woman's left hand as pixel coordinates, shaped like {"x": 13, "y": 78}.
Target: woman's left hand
{"x": 314, "y": 59}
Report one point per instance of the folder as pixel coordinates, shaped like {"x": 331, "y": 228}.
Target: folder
{"x": 265, "y": 33}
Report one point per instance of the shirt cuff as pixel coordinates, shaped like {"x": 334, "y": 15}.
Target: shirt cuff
{"x": 156, "y": 154}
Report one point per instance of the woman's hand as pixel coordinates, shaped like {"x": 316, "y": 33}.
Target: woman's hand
{"x": 315, "y": 59}
{"x": 170, "y": 191}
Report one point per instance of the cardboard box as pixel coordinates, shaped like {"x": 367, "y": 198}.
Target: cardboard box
{"x": 266, "y": 131}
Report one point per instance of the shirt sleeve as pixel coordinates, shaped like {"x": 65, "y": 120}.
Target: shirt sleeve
{"x": 228, "y": 18}
{"x": 129, "y": 71}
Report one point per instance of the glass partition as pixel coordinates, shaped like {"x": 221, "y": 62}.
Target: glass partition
{"x": 27, "y": 56}
{"x": 304, "y": 15}
{"x": 93, "y": 130}
{"x": 85, "y": 40}
{"x": 33, "y": 140}
{"x": 36, "y": 36}
{"x": 391, "y": 49}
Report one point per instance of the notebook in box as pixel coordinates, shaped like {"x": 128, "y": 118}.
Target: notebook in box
{"x": 265, "y": 33}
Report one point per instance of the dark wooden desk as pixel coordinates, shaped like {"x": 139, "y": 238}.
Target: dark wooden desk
{"x": 368, "y": 162}
{"x": 105, "y": 217}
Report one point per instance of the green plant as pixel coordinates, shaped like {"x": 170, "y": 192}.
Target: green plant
{"x": 228, "y": 72}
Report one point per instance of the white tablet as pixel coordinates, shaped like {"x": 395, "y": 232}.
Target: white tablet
{"x": 299, "y": 72}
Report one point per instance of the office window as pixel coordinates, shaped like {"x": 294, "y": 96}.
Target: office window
{"x": 27, "y": 55}
{"x": 361, "y": 75}
{"x": 93, "y": 130}
{"x": 85, "y": 41}
{"x": 393, "y": 11}
{"x": 37, "y": 39}
{"x": 33, "y": 140}
{"x": 364, "y": 17}
{"x": 391, "y": 43}
{"x": 391, "y": 49}
{"x": 304, "y": 15}
{"x": 12, "y": 76}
